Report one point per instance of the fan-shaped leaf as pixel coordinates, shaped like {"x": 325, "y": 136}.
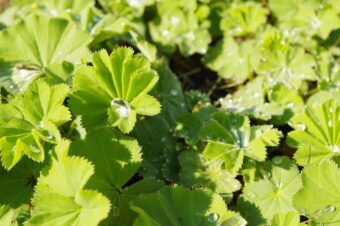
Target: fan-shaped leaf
{"x": 317, "y": 134}
{"x": 114, "y": 90}
{"x": 275, "y": 193}
{"x": 63, "y": 187}
{"x": 319, "y": 199}
{"x": 31, "y": 119}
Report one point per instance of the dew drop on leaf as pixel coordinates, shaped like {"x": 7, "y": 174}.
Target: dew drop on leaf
{"x": 50, "y": 136}
{"x": 251, "y": 195}
{"x": 213, "y": 217}
{"x": 334, "y": 148}
{"x": 277, "y": 160}
{"x": 330, "y": 123}
{"x": 165, "y": 33}
{"x": 290, "y": 105}
{"x": 174, "y": 92}
{"x": 34, "y": 149}
{"x": 301, "y": 126}
{"x": 330, "y": 208}
{"x": 121, "y": 107}
{"x": 266, "y": 174}
{"x": 174, "y": 20}
{"x": 279, "y": 185}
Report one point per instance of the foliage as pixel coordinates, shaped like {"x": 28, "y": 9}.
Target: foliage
{"x": 163, "y": 112}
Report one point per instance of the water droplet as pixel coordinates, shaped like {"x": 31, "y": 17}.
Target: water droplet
{"x": 115, "y": 211}
{"x": 256, "y": 94}
{"x": 315, "y": 22}
{"x": 121, "y": 107}
{"x": 202, "y": 50}
{"x": 330, "y": 123}
{"x": 34, "y": 149}
{"x": 235, "y": 186}
{"x": 53, "y": 12}
{"x": 330, "y": 208}
{"x": 277, "y": 160}
{"x": 59, "y": 53}
{"x": 174, "y": 20}
{"x": 266, "y": 174}
{"x": 135, "y": 3}
{"x": 290, "y": 105}
{"x": 174, "y": 92}
{"x": 213, "y": 217}
{"x": 24, "y": 73}
{"x": 251, "y": 195}
{"x": 334, "y": 148}
{"x": 300, "y": 126}
{"x": 11, "y": 86}
{"x": 165, "y": 33}
{"x": 279, "y": 184}
{"x": 40, "y": 125}
{"x": 50, "y": 135}
{"x": 190, "y": 36}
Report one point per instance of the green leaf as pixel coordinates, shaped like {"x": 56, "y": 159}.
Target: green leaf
{"x": 155, "y": 134}
{"x": 236, "y": 131}
{"x": 17, "y": 185}
{"x": 189, "y": 124}
{"x": 30, "y": 120}
{"x": 199, "y": 171}
{"x": 179, "y": 206}
{"x": 6, "y": 215}
{"x": 37, "y": 42}
{"x": 316, "y": 134}
{"x": 233, "y": 61}
{"x": 291, "y": 218}
{"x": 114, "y": 90}
{"x": 319, "y": 198}
{"x": 244, "y": 19}
{"x": 274, "y": 194}
{"x": 290, "y": 68}
{"x": 250, "y": 100}
{"x": 121, "y": 154}
{"x": 63, "y": 186}
{"x": 175, "y": 27}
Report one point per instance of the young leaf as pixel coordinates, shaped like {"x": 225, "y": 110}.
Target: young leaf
{"x": 275, "y": 193}
{"x": 114, "y": 90}
{"x": 179, "y": 206}
{"x": 6, "y": 215}
{"x": 31, "y": 119}
{"x": 244, "y": 19}
{"x": 233, "y": 61}
{"x": 199, "y": 171}
{"x": 290, "y": 67}
{"x": 236, "y": 131}
{"x": 63, "y": 187}
{"x": 174, "y": 26}
{"x": 319, "y": 199}
{"x": 316, "y": 134}
{"x": 37, "y": 42}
